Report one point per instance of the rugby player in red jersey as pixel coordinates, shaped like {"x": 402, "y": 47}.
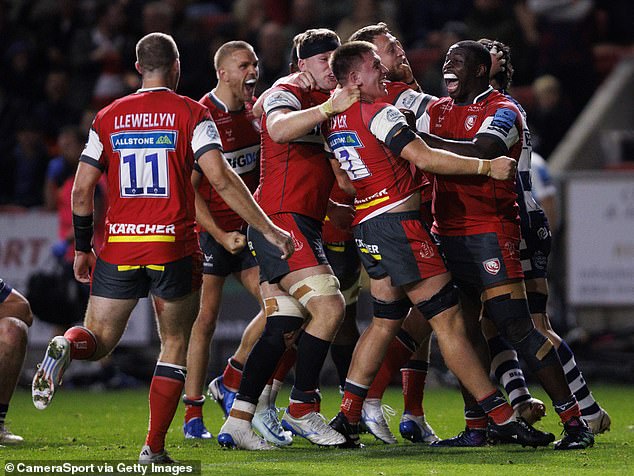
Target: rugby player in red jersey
{"x": 295, "y": 183}
{"x": 477, "y": 222}
{"x": 374, "y": 145}
{"x": 409, "y": 352}
{"x": 147, "y": 143}
{"x": 222, "y": 234}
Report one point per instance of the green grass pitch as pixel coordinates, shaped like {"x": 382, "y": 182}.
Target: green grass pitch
{"x": 111, "y": 426}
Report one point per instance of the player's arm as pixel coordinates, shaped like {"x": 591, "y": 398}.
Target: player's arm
{"x": 233, "y": 191}
{"x": 304, "y": 80}
{"x": 483, "y": 147}
{"x": 82, "y": 199}
{"x": 343, "y": 181}
{"x": 389, "y": 126}
{"x": 285, "y": 124}
{"x": 232, "y": 241}
{"x": 495, "y": 137}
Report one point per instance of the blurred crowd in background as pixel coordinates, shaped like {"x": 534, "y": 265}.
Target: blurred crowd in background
{"x": 62, "y": 60}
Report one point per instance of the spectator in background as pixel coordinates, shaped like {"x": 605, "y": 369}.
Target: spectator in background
{"x": 98, "y": 55}
{"x": 15, "y": 320}
{"x": 432, "y": 82}
{"x": 56, "y": 109}
{"x": 273, "y": 54}
{"x": 550, "y": 117}
{"x": 27, "y": 164}
{"x": 566, "y": 30}
{"x": 498, "y": 19}
{"x": 363, "y": 13}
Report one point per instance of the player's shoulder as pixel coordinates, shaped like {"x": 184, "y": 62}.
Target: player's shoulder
{"x": 395, "y": 88}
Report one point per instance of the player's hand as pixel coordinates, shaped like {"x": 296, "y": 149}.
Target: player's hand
{"x": 503, "y": 168}
{"x": 344, "y": 97}
{"x": 406, "y": 72}
{"x": 410, "y": 117}
{"x": 282, "y": 239}
{"x": 234, "y": 242}
{"x": 84, "y": 263}
{"x": 340, "y": 215}
{"x": 304, "y": 80}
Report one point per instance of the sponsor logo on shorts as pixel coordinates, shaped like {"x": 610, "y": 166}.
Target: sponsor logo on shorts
{"x": 543, "y": 233}
{"x": 470, "y": 121}
{"x": 492, "y": 266}
{"x": 427, "y": 250}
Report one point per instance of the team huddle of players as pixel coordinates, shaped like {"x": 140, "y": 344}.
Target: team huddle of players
{"x": 350, "y": 164}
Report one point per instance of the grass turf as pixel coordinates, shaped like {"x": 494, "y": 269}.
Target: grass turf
{"x": 111, "y": 426}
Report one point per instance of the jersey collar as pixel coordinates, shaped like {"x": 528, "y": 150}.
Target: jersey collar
{"x": 219, "y": 104}
{"x": 159, "y": 88}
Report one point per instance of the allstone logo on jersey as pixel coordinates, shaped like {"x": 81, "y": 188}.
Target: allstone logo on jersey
{"x": 144, "y": 140}
{"x": 344, "y": 139}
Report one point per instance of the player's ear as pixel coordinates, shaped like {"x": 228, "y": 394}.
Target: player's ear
{"x": 137, "y": 66}
{"x": 354, "y": 78}
{"x": 482, "y": 71}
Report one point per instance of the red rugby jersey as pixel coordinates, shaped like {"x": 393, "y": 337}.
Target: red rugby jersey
{"x": 359, "y": 138}
{"x": 240, "y": 137}
{"x": 295, "y": 177}
{"x": 146, "y": 143}
{"x": 468, "y": 204}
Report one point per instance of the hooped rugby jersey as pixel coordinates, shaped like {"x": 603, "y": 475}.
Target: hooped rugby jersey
{"x": 146, "y": 143}
{"x": 468, "y": 204}
{"x": 359, "y": 138}
{"x": 295, "y": 177}
{"x": 240, "y": 137}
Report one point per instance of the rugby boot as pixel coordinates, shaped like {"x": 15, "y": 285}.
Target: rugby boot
{"x": 221, "y": 394}
{"x": 373, "y": 416}
{"x": 267, "y": 423}
{"x": 50, "y": 372}
{"x": 314, "y": 428}
{"x": 577, "y": 435}
{"x": 599, "y": 424}
{"x": 470, "y": 437}
{"x": 349, "y": 431}
{"x": 416, "y": 429}
{"x": 518, "y": 432}
{"x": 531, "y": 411}
{"x": 148, "y": 457}
{"x": 195, "y": 428}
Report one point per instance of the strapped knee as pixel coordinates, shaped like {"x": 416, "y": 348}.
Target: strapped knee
{"x": 444, "y": 299}
{"x": 394, "y": 310}
{"x": 313, "y": 286}
{"x": 513, "y": 320}
{"x": 537, "y": 351}
{"x": 537, "y": 302}
{"x": 284, "y": 306}
{"x": 280, "y": 329}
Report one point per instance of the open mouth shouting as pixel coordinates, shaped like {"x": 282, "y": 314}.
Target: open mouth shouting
{"x": 452, "y": 83}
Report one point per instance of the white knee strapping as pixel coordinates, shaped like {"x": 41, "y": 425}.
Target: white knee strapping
{"x": 318, "y": 285}
{"x": 284, "y": 306}
{"x": 351, "y": 294}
